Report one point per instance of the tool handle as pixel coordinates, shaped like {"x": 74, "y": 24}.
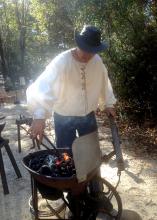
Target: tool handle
{"x": 116, "y": 143}
{"x": 52, "y": 145}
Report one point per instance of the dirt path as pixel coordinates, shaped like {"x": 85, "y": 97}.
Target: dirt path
{"x": 138, "y": 183}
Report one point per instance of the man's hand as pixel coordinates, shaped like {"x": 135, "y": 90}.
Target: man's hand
{"x": 37, "y": 129}
{"x": 110, "y": 111}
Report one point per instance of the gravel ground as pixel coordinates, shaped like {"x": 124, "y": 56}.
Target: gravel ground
{"x": 137, "y": 187}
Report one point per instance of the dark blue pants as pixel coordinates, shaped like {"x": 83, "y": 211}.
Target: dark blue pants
{"x": 67, "y": 127}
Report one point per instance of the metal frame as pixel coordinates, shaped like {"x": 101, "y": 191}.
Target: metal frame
{"x": 111, "y": 190}
{"x": 5, "y": 143}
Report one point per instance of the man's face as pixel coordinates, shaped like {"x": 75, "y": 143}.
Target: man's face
{"x": 84, "y": 56}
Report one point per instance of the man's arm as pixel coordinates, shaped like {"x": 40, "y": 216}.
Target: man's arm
{"x": 41, "y": 96}
{"x": 107, "y": 99}
{"x": 44, "y": 92}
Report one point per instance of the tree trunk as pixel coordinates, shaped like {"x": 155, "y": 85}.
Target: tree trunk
{"x": 2, "y": 59}
{"x": 21, "y": 21}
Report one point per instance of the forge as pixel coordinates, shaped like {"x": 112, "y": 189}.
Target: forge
{"x": 58, "y": 174}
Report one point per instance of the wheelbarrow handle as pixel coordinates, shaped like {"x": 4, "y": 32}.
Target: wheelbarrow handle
{"x": 116, "y": 143}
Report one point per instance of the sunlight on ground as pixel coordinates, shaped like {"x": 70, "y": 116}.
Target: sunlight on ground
{"x": 108, "y": 172}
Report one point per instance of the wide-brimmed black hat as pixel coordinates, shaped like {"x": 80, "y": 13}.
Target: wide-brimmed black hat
{"x": 89, "y": 40}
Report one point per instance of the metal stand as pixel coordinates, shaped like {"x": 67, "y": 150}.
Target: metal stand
{"x": 109, "y": 191}
{"x": 35, "y": 204}
{"x": 5, "y": 143}
{"x": 56, "y": 214}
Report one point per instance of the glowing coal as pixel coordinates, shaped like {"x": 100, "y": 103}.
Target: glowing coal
{"x": 53, "y": 165}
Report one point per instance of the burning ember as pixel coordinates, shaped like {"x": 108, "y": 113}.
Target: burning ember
{"x": 53, "y": 165}
{"x": 66, "y": 156}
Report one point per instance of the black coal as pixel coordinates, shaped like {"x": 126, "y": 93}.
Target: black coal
{"x": 53, "y": 165}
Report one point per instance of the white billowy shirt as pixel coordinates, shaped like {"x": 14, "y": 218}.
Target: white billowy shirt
{"x": 70, "y": 88}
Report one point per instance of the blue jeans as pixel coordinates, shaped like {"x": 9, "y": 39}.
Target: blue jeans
{"x": 66, "y": 128}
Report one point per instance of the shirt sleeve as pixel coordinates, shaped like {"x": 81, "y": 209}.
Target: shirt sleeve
{"x": 44, "y": 92}
{"x": 107, "y": 98}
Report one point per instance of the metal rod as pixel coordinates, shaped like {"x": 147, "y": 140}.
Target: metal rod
{"x": 53, "y": 146}
{"x": 12, "y": 159}
{"x": 3, "y": 175}
{"x": 50, "y": 142}
{"x": 116, "y": 143}
{"x": 47, "y": 139}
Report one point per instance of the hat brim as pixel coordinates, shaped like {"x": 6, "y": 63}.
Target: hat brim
{"x": 82, "y": 45}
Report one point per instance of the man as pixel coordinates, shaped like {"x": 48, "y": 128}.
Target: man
{"x": 72, "y": 85}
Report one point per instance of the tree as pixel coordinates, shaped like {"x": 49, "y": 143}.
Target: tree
{"x": 21, "y": 12}
{"x": 34, "y": 31}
